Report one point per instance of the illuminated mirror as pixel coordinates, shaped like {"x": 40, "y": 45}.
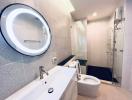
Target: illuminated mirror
{"x": 25, "y": 29}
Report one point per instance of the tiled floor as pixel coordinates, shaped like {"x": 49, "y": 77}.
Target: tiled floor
{"x": 109, "y": 92}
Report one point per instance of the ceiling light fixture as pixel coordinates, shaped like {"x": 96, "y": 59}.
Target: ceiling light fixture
{"x": 94, "y": 14}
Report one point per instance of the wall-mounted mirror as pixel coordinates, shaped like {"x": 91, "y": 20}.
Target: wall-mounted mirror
{"x": 25, "y": 29}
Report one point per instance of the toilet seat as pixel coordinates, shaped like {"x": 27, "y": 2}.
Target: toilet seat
{"x": 87, "y": 79}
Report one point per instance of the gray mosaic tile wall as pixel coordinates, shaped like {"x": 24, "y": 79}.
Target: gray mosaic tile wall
{"x": 17, "y": 70}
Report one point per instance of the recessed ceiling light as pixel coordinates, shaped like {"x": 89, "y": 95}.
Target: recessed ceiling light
{"x": 94, "y": 14}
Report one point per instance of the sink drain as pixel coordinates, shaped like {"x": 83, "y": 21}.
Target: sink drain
{"x": 50, "y": 90}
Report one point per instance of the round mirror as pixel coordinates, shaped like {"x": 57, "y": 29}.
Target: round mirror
{"x": 25, "y": 29}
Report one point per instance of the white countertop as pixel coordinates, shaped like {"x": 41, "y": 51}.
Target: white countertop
{"x": 59, "y": 77}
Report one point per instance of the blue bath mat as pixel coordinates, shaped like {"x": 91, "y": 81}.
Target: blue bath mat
{"x": 101, "y": 73}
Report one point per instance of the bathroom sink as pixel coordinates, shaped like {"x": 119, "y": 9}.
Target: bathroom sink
{"x": 51, "y": 87}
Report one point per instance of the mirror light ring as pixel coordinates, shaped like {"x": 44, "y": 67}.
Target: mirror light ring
{"x": 9, "y": 18}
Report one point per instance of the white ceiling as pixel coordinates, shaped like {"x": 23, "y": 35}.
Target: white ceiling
{"x": 85, "y": 8}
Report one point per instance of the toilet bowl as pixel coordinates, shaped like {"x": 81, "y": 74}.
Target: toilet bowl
{"x": 87, "y": 85}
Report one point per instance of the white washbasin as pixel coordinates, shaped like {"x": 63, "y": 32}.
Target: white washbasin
{"x": 58, "y": 79}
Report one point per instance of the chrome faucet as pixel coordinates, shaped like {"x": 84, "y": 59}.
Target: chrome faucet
{"x": 42, "y": 71}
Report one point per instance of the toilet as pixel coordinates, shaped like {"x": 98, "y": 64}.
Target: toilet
{"x": 87, "y": 85}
